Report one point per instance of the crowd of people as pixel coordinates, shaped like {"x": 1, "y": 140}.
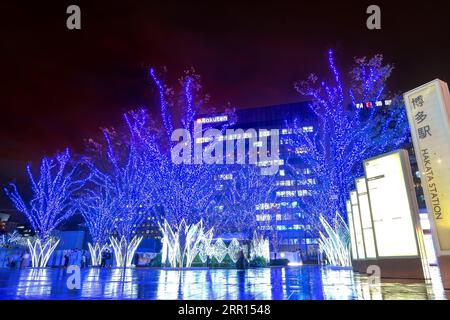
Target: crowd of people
{"x": 82, "y": 258}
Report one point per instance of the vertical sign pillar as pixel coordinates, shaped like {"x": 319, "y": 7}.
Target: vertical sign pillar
{"x": 428, "y": 108}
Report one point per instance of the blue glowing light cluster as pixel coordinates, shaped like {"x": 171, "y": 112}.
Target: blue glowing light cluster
{"x": 53, "y": 192}
{"x": 343, "y": 138}
{"x": 122, "y": 189}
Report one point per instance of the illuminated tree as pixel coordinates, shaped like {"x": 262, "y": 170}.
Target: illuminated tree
{"x": 184, "y": 192}
{"x": 98, "y": 206}
{"x": 51, "y": 202}
{"x": 244, "y": 193}
{"x": 343, "y": 135}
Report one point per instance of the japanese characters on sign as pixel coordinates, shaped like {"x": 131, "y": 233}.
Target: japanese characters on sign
{"x": 428, "y": 109}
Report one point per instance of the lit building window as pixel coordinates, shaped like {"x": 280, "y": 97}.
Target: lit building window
{"x": 303, "y": 192}
{"x": 285, "y": 183}
{"x": 258, "y": 144}
{"x": 265, "y": 163}
{"x": 287, "y": 193}
{"x": 228, "y": 176}
{"x": 266, "y": 206}
{"x": 301, "y": 150}
{"x": 263, "y": 217}
{"x": 306, "y": 181}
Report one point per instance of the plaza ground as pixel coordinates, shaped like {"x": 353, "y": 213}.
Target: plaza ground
{"x": 290, "y": 283}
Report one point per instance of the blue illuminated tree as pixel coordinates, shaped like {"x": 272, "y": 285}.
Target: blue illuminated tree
{"x": 124, "y": 179}
{"x": 185, "y": 191}
{"x": 245, "y": 193}
{"x": 51, "y": 202}
{"x": 344, "y": 136}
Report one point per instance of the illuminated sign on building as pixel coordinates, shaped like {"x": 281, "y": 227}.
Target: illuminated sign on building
{"x": 215, "y": 119}
{"x": 371, "y": 104}
{"x": 428, "y": 109}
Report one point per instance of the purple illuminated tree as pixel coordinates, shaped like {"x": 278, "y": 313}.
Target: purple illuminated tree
{"x": 98, "y": 206}
{"x": 126, "y": 192}
{"x": 184, "y": 191}
{"x": 245, "y": 193}
{"x": 51, "y": 202}
{"x": 331, "y": 156}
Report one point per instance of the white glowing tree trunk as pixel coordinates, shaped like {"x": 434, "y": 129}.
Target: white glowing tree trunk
{"x": 96, "y": 251}
{"x": 259, "y": 247}
{"x": 124, "y": 250}
{"x": 41, "y": 251}
{"x": 182, "y": 246}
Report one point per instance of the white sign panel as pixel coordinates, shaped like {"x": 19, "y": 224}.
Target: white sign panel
{"x": 366, "y": 218}
{"x": 428, "y": 109}
{"x": 352, "y": 230}
{"x": 389, "y": 186}
{"x": 358, "y": 227}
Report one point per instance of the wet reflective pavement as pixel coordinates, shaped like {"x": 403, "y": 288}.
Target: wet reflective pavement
{"x": 292, "y": 283}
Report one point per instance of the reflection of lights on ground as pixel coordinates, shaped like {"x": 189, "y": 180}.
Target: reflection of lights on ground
{"x": 121, "y": 284}
{"x": 34, "y": 283}
{"x": 303, "y": 282}
{"x": 436, "y": 284}
{"x": 91, "y": 284}
{"x": 338, "y": 284}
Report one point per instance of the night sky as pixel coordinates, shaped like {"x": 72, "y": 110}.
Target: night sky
{"x": 58, "y": 86}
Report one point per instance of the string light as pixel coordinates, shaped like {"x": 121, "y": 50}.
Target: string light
{"x": 51, "y": 202}
{"x": 343, "y": 138}
{"x": 98, "y": 206}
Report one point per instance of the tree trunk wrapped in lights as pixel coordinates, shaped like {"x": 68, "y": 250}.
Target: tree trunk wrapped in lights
{"x": 96, "y": 252}
{"x": 42, "y": 250}
{"x": 259, "y": 247}
{"x": 124, "y": 250}
{"x": 182, "y": 245}
{"x": 97, "y": 206}
{"x": 122, "y": 198}
{"x": 51, "y": 203}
